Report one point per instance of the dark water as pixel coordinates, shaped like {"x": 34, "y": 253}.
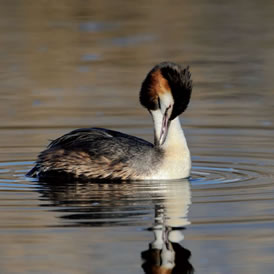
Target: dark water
{"x": 71, "y": 64}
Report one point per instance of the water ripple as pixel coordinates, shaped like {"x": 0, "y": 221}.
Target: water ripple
{"x": 134, "y": 203}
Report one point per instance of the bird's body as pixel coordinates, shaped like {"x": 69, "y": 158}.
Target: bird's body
{"x": 95, "y": 153}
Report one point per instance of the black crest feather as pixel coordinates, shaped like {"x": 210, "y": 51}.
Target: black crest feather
{"x": 179, "y": 81}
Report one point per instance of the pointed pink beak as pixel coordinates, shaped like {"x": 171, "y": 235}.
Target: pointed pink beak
{"x": 165, "y": 126}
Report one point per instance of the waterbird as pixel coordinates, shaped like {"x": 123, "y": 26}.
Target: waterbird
{"x": 98, "y": 153}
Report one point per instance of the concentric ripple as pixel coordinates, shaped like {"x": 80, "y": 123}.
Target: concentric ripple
{"x": 214, "y": 175}
{"x": 204, "y": 172}
{"x": 12, "y": 175}
{"x": 134, "y": 203}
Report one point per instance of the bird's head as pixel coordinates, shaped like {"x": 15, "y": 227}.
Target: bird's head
{"x": 166, "y": 92}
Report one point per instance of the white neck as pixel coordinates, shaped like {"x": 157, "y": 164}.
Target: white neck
{"x": 176, "y": 160}
{"x": 175, "y": 136}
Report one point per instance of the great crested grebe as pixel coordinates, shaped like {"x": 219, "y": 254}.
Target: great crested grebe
{"x": 97, "y": 153}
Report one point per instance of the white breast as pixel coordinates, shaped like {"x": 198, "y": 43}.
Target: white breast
{"x": 176, "y": 162}
{"x": 175, "y": 166}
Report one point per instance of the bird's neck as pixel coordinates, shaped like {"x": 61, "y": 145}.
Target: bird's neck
{"x": 176, "y": 159}
{"x": 175, "y": 138}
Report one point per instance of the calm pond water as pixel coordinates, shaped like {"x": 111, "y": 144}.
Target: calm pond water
{"x": 71, "y": 64}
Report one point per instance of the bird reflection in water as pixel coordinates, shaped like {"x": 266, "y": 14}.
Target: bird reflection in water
{"x": 127, "y": 203}
{"x": 165, "y": 254}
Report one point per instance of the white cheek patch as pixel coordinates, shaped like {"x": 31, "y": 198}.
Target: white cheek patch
{"x": 166, "y": 100}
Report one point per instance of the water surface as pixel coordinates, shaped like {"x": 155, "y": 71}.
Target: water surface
{"x": 72, "y": 64}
